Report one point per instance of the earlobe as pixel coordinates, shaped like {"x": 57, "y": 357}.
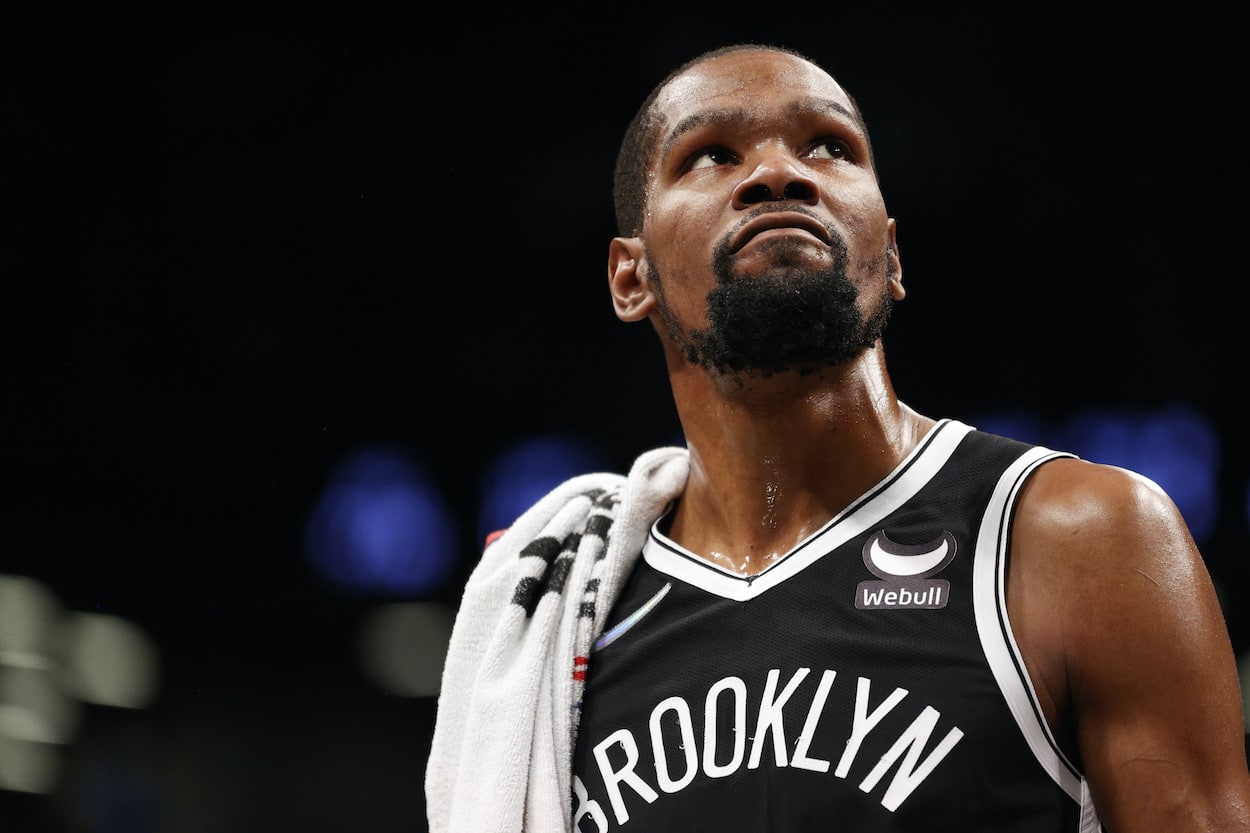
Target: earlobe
{"x": 895, "y": 273}
{"x": 632, "y": 297}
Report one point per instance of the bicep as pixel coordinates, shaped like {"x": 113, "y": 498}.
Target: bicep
{"x": 1152, "y": 691}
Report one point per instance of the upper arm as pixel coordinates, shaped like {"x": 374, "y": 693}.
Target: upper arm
{"x": 1125, "y": 639}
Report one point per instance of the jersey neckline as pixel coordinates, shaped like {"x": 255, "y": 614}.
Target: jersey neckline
{"x": 908, "y": 477}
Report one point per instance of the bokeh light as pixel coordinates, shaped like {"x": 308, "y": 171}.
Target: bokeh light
{"x": 527, "y": 470}
{"x": 1174, "y": 445}
{"x": 52, "y": 661}
{"x": 108, "y": 661}
{"x": 401, "y": 647}
{"x": 382, "y": 526}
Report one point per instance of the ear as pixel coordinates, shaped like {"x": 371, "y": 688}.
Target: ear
{"x": 632, "y": 297}
{"x": 896, "y": 271}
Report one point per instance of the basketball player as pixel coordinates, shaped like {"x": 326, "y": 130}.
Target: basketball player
{"x": 827, "y": 611}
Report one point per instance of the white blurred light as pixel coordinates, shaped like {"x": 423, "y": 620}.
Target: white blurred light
{"x": 402, "y": 647}
{"x": 27, "y": 611}
{"x": 108, "y": 661}
{"x": 51, "y": 661}
{"x": 34, "y": 708}
{"x": 27, "y": 766}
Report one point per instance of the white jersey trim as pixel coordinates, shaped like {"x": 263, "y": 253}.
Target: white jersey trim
{"x": 911, "y": 475}
{"x": 999, "y": 642}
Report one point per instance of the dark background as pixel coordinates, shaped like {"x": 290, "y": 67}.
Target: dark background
{"x": 241, "y": 245}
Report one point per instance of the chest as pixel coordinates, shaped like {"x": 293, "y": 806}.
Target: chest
{"x": 868, "y": 677}
{"x": 845, "y": 685}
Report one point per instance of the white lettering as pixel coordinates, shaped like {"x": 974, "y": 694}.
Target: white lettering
{"x": 677, "y": 758}
{"x": 909, "y": 775}
{"x": 612, "y": 780}
{"x": 800, "y": 758}
{"x": 864, "y": 722}
{"x": 738, "y": 689}
{"x": 583, "y": 808}
{"x": 770, "y": 717}
{"x": 873, "y": 599}
{"x": 927, "y": 594}
{"x": 679, "y": 708}
{"x": 931, "y": 597}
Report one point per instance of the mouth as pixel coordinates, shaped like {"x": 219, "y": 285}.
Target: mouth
{"x": 786, "y": 221}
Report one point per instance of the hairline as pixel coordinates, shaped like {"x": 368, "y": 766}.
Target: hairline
{"x": 643, "y": 132}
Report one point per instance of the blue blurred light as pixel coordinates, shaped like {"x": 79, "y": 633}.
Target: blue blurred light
{"x": 382, "y": 526}
{"x": 1175, "y": 445}
{"x": 1022, "y": 425}
{"x": 529, "y": 469}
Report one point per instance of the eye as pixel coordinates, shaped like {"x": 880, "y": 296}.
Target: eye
{"x": 831, "y": 149}
{"x": 710, "y": 157}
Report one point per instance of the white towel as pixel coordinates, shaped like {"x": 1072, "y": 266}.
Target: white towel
{"x": 501, "y": 757}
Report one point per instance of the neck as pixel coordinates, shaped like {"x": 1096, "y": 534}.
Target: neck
{"x": 773, "y": 460}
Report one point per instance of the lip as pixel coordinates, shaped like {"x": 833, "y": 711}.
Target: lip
{"x": 778, "y": 220}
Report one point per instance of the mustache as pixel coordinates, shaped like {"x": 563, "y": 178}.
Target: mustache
{"x": 724, "y": 248}
{"x": 783, "y": 208}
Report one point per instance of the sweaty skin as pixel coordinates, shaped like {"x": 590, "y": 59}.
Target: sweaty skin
{"x": 763, "y": 159}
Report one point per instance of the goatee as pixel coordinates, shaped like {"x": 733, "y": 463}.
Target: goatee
{"x": 793, "y": 320}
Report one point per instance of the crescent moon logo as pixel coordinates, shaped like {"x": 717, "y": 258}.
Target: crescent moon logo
{"x": 886, "y": 558}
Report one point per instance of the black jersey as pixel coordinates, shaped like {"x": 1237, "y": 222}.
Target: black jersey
{"x": 867, "y": 681}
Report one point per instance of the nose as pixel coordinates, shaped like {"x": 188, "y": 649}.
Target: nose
{"x": 777, "y": 176}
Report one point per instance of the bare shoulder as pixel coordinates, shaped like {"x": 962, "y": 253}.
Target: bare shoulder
{"x": 1076, "y": 494}
{"x": 1098, "y": 520}
{"x": 1125, "y": 641}
{"x": 1101, "y": 556}
{"x": 1095, "y": 543}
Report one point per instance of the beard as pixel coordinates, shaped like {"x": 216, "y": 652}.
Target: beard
{"x": 796, "y": 319}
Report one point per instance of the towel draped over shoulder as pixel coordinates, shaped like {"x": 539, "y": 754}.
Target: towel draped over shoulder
{"x": 501, "y": 757}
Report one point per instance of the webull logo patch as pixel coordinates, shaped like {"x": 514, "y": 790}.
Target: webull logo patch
{"x": 904, "y": 571}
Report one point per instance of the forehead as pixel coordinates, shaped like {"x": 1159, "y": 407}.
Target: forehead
{"x": 753, "y": 81}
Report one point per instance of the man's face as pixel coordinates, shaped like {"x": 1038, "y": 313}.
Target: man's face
{"x": 766, "y": 237}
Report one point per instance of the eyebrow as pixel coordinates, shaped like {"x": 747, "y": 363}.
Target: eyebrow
{"x": 807, "y": 106}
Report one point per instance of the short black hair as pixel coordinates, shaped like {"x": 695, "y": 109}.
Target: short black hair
{"x": 634, "y": 157}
